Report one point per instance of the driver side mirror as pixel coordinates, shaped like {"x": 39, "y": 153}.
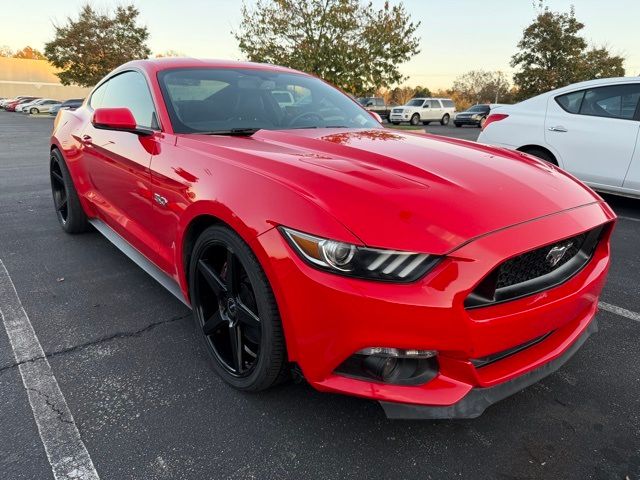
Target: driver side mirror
{"x": 118, "y": 119}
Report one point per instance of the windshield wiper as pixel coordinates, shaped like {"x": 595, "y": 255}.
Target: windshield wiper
{"x": 234, "y": 131}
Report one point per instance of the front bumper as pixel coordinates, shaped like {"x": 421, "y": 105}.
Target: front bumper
{"x": 327, "y": 317}
{"x": 466, "y": 121}
{"x": 399, "y": 117}
{"x": 477, "y": 400}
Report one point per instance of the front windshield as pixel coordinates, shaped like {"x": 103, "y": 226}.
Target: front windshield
{"x": 216, "y": 100}
{"x": 416, "y": 102}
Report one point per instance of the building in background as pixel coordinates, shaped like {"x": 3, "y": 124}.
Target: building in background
{"x": 36, "y": 78}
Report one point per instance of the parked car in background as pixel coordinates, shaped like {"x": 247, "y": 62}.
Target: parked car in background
{"x": 377, "y": 105}
{"x": 11, "y": 107}
{"x": 591, "y": 129}
{"x": 424, "y": 110}
{"x": 24, "y": 107}
{"x": 475, "y": 115}
{"x": 374, "y": 262}
{"x": 70, "y": 104}
{"x": 44, "y": 106}
{"x": 6, "y": 101}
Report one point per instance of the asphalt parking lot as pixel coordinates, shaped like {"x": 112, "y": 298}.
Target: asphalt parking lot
{"x": 147, "y": 406}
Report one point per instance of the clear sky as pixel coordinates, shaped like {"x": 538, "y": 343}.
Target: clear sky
{"x": 457, "y": 35}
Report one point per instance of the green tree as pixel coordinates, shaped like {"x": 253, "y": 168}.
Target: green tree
{"x": 552, "y": 54}
{"x": 29, "y": 53}
{"x": 88, "y": 48}
{"x": 480, "y": 86}
{"x": 346, "y": 42}
{"x": 421, "y": 91}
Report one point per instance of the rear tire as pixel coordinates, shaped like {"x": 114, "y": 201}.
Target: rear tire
{"x": 33, "y": 111}
{"x": 224, "y": 273}
{"x": 541, "y": 154}
{"x": 445, "y": 119}
{"x": 69, "y": 211}
{"x": 415, "y": 119}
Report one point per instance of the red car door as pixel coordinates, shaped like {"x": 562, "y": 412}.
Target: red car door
{"x": 117, "y": 162}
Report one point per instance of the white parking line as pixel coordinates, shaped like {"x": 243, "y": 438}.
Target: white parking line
{"x": 67, "y": 454}
{"x": 623, "y": 312}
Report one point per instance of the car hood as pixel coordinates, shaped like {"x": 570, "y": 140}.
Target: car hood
{"x": 408, "y": 191}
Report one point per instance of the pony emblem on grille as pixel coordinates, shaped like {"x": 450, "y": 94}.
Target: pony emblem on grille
{"x": 556, "y": 253}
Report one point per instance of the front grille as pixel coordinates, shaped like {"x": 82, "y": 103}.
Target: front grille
{"x": 536, "y": 270}
{"x": 396, "y": 110}
{"x": 535, "y": 264}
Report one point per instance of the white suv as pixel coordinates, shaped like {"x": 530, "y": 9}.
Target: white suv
{"x": 591, "y": 129}
{"x": 424, "y": 110}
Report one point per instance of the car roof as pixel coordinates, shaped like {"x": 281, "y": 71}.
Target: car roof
{"x": 596, "y": 83}
{"x": 154, "y": 65}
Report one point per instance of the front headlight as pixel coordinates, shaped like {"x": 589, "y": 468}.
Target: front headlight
{"x": 357, "y": 261}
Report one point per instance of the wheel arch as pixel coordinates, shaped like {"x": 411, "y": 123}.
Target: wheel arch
{"x": 530, "y": 147}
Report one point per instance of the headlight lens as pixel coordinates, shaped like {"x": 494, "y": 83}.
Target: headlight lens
{"x": 357, "y": 261}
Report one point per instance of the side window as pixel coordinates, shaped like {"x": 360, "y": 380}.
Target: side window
{"x": 98, "y": 96}
{"x": 447, "y": 103}
{"x": 130, "y": 90}
{"x": 617, "y": 101}
{"x": 571, "y": 102}
{"x": 435, "y": 104}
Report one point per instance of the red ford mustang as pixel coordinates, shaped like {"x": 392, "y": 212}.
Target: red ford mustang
{"x": 436, "y": 276}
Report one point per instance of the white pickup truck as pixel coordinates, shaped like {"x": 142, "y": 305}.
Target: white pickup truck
{"x": 424, "y": 110}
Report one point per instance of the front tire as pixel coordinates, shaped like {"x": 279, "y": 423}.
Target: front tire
{"x": 235, "y": 312}
{"x": 445, "y": 119}
{"x": 69, "y": 211}
{"x": 415, "y": 119}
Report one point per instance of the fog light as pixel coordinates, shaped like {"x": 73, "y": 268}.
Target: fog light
{"x": 381, "y": 367}
{"x": 391, "y": 365}
{"x": 397, "y": 352}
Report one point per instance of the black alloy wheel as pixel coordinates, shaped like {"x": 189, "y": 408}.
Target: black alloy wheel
{"x": 59, "y": 189}
{"x": 235, "y": 311}
{"x": 69, "y": 211}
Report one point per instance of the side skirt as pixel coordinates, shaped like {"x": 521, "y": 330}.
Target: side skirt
{"x": 139, "y": 259}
